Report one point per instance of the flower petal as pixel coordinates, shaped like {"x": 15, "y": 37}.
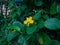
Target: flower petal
{"x": 32, "y": 21}
{"x": 27, "y": 18}
{"x": 25, "y": 22}
{"x": 30, "y": 17}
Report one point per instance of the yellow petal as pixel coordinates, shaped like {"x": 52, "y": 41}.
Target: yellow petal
{"x": 30, "y": 17}
{"x": 27, "y": 18}
{"x": 25, "y": 22}
{"x": 32, "y": 21}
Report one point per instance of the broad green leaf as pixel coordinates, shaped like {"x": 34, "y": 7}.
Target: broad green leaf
{"x": 31, "y": 29}
{"x": 27, "y": 37}
{"x": 14, "y": 27}
{"x": 11, "y": 36}
{"x": 40, "y": 23}
{"x": 17, "y": 23}
{"x": 55, "y": 42}
{"x": 22, "y": 40}
{"x": 38, "y": 2}
{"x": 47, "y": 40}
{"x": 53, "y": 9}
{"x": 51, "y": 23}
{"x": 37, "y": 15}
{"x": 44, "y": 39}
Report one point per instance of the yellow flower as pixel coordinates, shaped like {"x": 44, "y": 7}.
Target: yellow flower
{"x": 29, "y": 20}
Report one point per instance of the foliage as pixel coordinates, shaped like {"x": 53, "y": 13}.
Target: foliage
{"x": 30, "y": 22}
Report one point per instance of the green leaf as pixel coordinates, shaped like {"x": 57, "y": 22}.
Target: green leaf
{"x": 23, "y": 7}
{"x": 27, "y": 37}
{"x": 37, "y": 15}
{"x": 46, "y": 16}
{"x": 40, "y": 23}
{"x": 20, "y": 9}
{"x": 58, "y": 25}
{"x": 25, "y": 42}
{"x": 55, "y": 42}
{"x": 13, "y": 14}
{"x": 38, "y": 2}
{"x": 31, "y": 29}
{"x": 22, "y": 40}
{"x": 11, "y": 5}
{"x": 53, "y": 9}
{"x": 47, "y": 40}
{"x": 14, "y": 27}
{"x": 17, "y": 23}
{"x": 11, "y": 36}
{"x": 58, "y": 8}
{"x": 51, "y": 23}
{"x": 44, "y": 39}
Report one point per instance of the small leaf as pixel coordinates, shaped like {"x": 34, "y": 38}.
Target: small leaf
{"x": 58, "y": 8}
{"x": 31, "y": 29}
{"x": 13, "y": 14}
{"x": 11, "y": 5}
{"x": 19, "y": 24}
{"x": 37, "y": 15}
{"x": 20, "y": 9}
{"x": 53, "y": 9}
{"x": 45, "y": 16}
{"x": 58, "y": 25}
{"x": 40, "y": 23}
{"x": 23, "y": 7}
